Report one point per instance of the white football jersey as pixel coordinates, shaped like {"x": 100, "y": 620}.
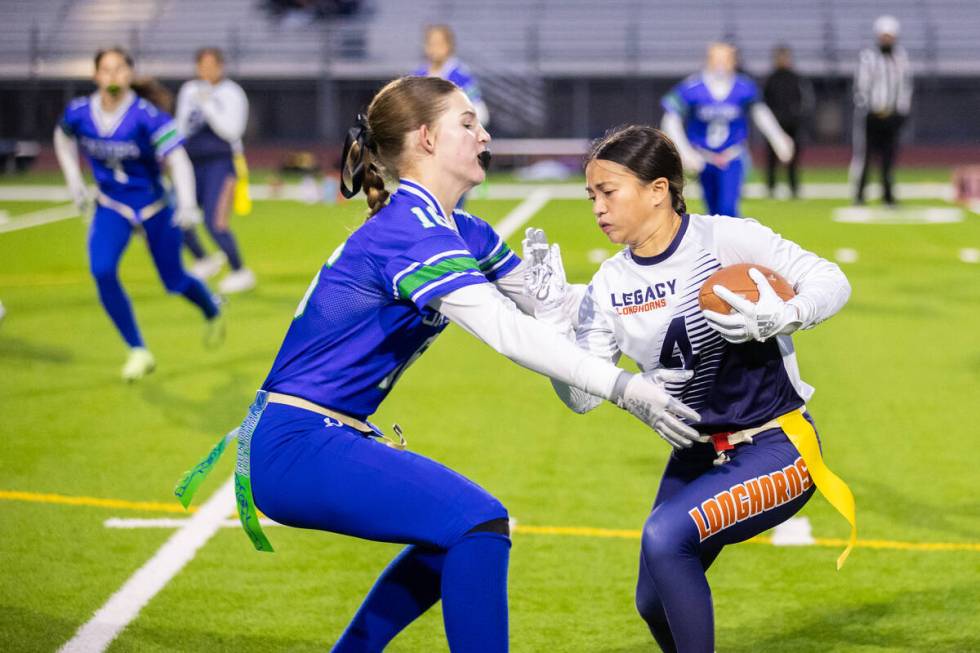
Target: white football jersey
{"x": 647, "y": 308}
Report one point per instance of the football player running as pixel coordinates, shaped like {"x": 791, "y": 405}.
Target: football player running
{"x": 125, "y": 138}
{"x": 758, "y": 459}
{"x": 307, "y": 453}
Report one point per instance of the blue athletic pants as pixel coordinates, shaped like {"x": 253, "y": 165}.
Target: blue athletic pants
{"x": 722, "y": 187}
{"x": 699, "y": 509}
{"x": 215, "y": 180}
{"x": 312, "y": 472}
{"x": 108, "y": 237}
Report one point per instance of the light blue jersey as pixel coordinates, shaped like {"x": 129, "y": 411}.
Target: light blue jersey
{"x": 124, "y": 148}
{"x": 365, "y": 317}
{"x": 712, "y": 124}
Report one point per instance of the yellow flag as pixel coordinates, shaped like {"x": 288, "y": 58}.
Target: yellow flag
{"x": 243, "y": 200}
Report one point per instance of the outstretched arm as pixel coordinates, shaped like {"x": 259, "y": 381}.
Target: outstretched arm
{"x": 66, "y": 151}
{"x": 781, "y": 143}
{"x": 187, "y": 213}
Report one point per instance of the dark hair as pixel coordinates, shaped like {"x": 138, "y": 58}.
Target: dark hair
{"x": 648, "y": 153}
{"x": 218, "y": 55}
{"x": 374, "y": 146}
{"x": 121, "y": 51}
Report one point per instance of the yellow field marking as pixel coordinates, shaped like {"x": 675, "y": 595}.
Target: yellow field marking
{"x": 64, "y": 499}
{"x": 570, "y": 531}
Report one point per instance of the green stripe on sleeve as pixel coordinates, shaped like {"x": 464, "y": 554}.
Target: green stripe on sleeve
{"x": 424, "y": 275}
{"x": 164, "y": 138}
{"x": 496, "y": 258}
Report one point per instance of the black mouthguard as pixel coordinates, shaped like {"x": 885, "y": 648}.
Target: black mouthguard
{"x": 484, "y": 159}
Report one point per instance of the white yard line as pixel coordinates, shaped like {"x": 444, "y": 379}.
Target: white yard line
{"x": 523, "y": 212}
{"x": 123, "y": 606}
{"x": 37, "y": 218}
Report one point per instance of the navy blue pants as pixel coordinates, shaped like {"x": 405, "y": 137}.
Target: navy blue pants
{"x": 311, "y": 472}
{"x": 108, "y": 237}
{"x": 699, "y": 509}
{"x": 722, "y": 187}
{"x": 215, "y": 180}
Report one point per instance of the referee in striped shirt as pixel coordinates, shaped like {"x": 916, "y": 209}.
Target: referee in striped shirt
{"x": 882, "y": 97}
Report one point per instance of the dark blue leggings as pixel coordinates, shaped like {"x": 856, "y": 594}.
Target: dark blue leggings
{"x": 311, "y": 472}
{"x": 215, "y": 180}
{"x": 699, "y": 509}
{"x": 108, "y": 237}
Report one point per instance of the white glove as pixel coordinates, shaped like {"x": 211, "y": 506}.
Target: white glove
{"x": 186, "y": 217}
{"x": 760, "y": 321}
{"x": 544, "y": 278}
{"x": 645, "y": 398}
{"x": 81, "y": 198}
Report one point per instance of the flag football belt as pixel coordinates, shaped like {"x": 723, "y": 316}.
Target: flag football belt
{"x": 800, "y": 432}
{"x": 248, "y": 514}
{"x": 127, "y": 212}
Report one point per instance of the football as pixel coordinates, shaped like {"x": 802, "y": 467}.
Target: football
{"x": 736, "y": 278}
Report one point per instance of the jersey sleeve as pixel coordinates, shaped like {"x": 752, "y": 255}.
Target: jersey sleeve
{"x": 71, "y": 118}
{"x": 162, "y": 130}
{"x": 750, "y": 91}
{"x": 595, "y": 331}
{"x": 676, "y": 101}
{"x": 431, "y": 266}
{"x": 494, "y": 257}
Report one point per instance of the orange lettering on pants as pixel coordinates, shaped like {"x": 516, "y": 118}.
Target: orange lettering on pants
{"x": 727, "y": 508}
{"x": 713, "y": 513}
{"x": 699, "y": 522}
{"x": 804, "y": 474}
{"x": 755, "y": 497}
{"x": 741, "y": 504}
{"x": 779, "y": 480}
{"x": 768, "y": 493}
{"x": 795, "y": 484}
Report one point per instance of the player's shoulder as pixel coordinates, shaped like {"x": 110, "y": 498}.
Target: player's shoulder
{"x": 78, "y": 107}
{"x": 691, "y": 82}
{"x": 467, "y": 221}
{"x": 746, "y": 85}
{"x": 719, "y": 231}
{"x": 611, "y": 269}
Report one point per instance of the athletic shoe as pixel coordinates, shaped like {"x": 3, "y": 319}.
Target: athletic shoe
{"x": 237, "y": 281}
{"x": 214, "y": 330}
{"x": 208, "y": 266}
{"x": 139, "y": 364}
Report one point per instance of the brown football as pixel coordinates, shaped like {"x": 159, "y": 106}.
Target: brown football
{"x": 736, "y": 278}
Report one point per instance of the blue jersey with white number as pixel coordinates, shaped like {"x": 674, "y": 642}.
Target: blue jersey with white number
{"x": 365, "y": 317}
{"x": 713, "y": 124}
{"x": 124, "y": 148}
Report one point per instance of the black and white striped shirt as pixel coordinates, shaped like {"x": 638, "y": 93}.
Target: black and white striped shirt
{"x": 883, "y": 82}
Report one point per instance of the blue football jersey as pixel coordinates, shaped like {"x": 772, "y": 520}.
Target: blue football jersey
{"x": 713, "y": 124}
{"x": 457, "y": 73}
{"x": 124, "y": 149}
{"x": 365, "y": 319}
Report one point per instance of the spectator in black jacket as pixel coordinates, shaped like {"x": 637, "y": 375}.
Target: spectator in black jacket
{"x": 791, "y": 99}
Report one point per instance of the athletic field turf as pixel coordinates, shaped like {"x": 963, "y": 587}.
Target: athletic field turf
{"x": 896, "y": 374}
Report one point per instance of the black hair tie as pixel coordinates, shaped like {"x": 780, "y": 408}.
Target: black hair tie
{"x": 352, "y": 172}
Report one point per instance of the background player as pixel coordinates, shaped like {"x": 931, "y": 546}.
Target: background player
{"x": 706, "y": 115}
{"x": 313, "y": 461}
{"x": 212, "y": 112}
{"x": 739, "y": 371}
{"x": 124, "y": 138}
{"x": 441, "y": 61}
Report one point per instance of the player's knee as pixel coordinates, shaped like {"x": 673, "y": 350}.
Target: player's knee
{"x": 176, "y": 283}
{"x": 665, "y": 540}
{"x": 104, "y": 272}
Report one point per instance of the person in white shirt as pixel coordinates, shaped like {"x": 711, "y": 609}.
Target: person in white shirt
{"x": 212, "y": 112}
{"x": 758, "y": 459}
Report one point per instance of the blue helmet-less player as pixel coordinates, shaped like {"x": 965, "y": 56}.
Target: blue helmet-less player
{"x": 441, "y": 61}
{"x": 307, "y": 455}
{"x": 759, "y": 459}
{"x": 125, "y": 138}
{"x": 707, "y": 117}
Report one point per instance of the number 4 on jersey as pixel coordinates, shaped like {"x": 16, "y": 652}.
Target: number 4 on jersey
{"x": 676, "y": 352}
